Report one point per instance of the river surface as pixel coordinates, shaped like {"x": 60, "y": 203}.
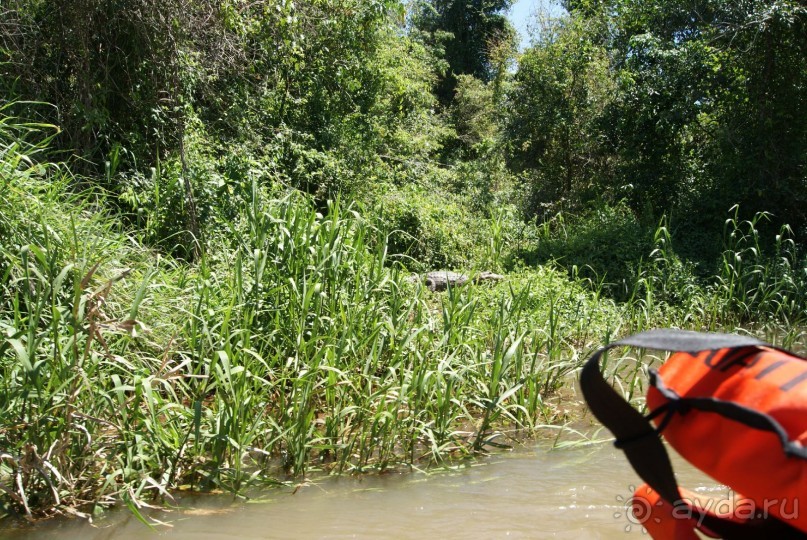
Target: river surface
{"x": 532, "y": 492}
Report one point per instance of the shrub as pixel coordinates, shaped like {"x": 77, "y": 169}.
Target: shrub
{"x": 428, "y": 231}
{"x": 605, "y": 244}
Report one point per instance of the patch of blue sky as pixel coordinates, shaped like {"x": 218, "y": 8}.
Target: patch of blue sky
{"x": 522, "y": 16}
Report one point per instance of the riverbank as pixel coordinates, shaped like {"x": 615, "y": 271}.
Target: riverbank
{"x": 527, "y": 493}
{"x": 294, "y": 343}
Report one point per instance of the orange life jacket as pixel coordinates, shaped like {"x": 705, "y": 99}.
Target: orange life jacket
{"x": 734, "y": 407}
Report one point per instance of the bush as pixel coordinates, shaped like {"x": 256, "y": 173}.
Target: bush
{"x": 606, "y": 245}
{"x": 428, "y": 231}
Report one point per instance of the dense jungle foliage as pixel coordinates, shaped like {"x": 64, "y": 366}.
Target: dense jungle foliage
{"x": 210, "y": 212}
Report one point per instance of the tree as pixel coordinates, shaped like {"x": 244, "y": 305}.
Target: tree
{"x": 464, "y": 28}
{"x": 556, "y": 102}
{"x": 711, "y": 109}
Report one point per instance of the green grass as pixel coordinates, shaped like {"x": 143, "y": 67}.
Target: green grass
{"x": 295, "y": 344}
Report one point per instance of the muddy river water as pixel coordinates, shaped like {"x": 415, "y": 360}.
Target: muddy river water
{"x": 532, "y": 492}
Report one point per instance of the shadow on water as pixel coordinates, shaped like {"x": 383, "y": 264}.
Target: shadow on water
{"x": 528, "y": 493}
